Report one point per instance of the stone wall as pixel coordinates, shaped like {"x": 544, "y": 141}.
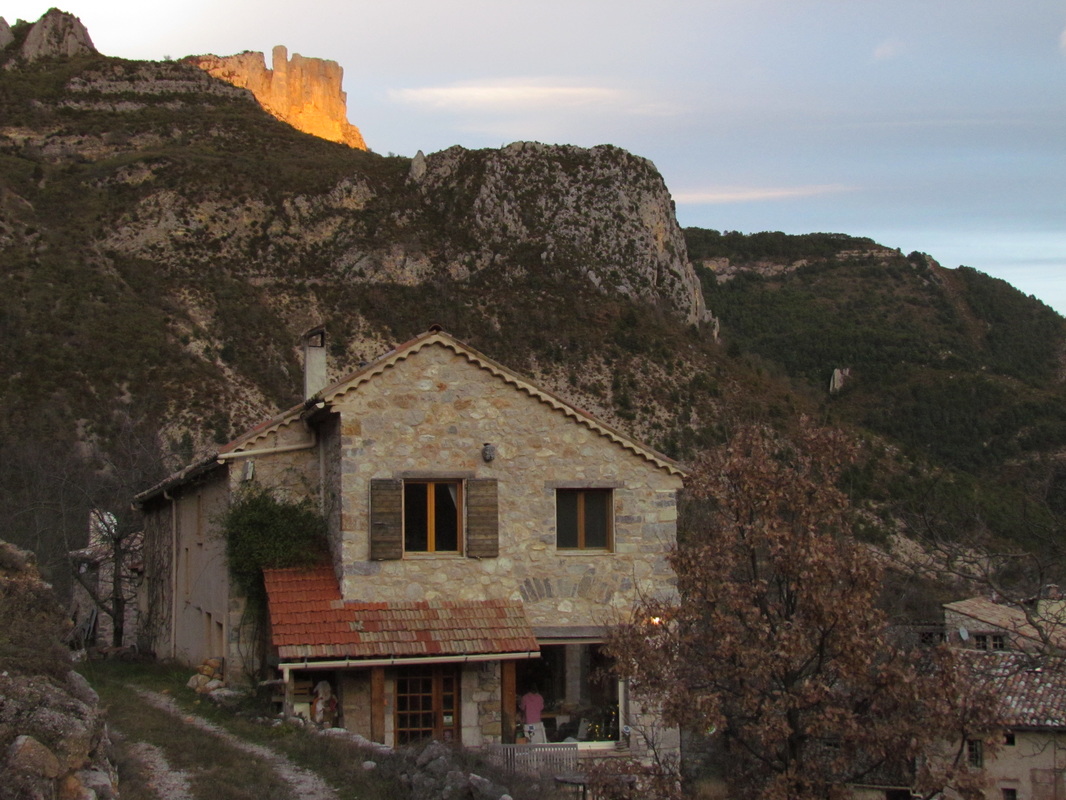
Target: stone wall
{"x": 430, "y": 415}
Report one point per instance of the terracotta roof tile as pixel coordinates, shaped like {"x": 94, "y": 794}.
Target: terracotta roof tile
{"x": 309, "y": 619}
{"x": 1030, "y": 695}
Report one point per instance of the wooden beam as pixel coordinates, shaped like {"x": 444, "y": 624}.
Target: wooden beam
{"x": 287, "y": 704}
{"x": 508, "y": 700}
{"x": 377, "y": 705}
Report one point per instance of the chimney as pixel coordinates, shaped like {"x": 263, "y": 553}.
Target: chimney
{"x": 314, "y": 362}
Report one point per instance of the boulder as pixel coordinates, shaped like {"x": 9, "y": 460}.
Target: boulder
{"x": 29, "y": 757}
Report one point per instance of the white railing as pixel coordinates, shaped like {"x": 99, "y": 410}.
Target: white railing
{"x": 535, "y": 759}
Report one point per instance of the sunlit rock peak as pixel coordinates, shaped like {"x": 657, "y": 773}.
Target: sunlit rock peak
{"x": 304, "y": 92}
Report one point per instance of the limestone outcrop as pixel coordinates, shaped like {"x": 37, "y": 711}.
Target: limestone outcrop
{"x": 53, "y": 740}
{"x": 304, "y": 92}
{"x": 600, "y": 213}
{"x": 55, "y": 35}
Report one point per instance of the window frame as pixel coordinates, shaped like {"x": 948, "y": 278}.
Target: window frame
{"x": 431, "y": 515}
{"x": 975, "y": 753}
{"x": 580, "y": 523}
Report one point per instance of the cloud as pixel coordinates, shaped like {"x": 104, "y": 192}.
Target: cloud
{"x": 517, "y": 95}
{"x": 732, "y": 194}
{"x": 1062, "y": 40}
{"x": 890, "y": 48}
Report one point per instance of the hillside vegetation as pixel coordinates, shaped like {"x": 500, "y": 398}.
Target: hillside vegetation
{"x": 164, "y": 242}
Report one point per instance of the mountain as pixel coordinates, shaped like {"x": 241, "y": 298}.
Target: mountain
{"x": 164, "y": 242}
{"x": 954, "y": 368}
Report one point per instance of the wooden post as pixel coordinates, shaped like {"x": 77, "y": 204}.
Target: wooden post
{"x": 287, "y": 704}
{"x": 508, "y": 700}
{"x": 377, "y": 705}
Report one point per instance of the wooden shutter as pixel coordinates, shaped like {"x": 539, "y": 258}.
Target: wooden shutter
{"x": 386, "y": 519}
{"x": 482, "y": 519}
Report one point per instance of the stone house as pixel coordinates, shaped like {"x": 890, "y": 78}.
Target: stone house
{"x": 1028, "y": 762}
{"x": 1021, "y": 663}
{"x": 483, "y": 533}
{"x": 984, "y": 623}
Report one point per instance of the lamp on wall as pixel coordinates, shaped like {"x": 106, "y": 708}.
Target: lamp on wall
{"x": 488, "y": 452}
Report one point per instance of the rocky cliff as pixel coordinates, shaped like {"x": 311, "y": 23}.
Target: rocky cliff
{"x": 599, "y": 214}
{"x": 53, "y": 740}
{"x": 304, "y": 92}
{"x": 55, "y": 35}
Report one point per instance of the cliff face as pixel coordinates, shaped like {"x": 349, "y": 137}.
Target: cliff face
{"x": 304, "y": 92}
{"x": 55, "y": 35}
{"x": 601, "y": 214}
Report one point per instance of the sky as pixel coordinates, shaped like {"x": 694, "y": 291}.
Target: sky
{"x": 929, "y": 125}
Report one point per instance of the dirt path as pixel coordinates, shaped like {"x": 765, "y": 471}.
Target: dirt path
{"x": 305, "y": 784}
{"x": 164, "y": 780}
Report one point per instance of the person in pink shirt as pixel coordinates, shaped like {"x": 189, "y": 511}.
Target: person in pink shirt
{"x": 531, "y": 704}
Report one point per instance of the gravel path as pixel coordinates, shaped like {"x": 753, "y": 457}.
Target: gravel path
{"x": 305, "y": 785}
{"x": 166, "y": 782}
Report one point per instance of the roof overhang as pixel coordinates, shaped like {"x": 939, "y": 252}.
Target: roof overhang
{"x": 366, "y": 663}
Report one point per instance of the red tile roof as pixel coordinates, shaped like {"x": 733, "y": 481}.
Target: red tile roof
{"x": 309, "y": 619}
{"x": 1030, "y": 695}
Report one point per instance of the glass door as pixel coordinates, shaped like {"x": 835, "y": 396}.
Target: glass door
{"x": 427, "y": 703}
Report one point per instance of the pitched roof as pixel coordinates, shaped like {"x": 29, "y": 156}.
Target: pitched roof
{"x": 436, "y": 337}
{"x": 309, "y": 619}
{"x": 1030, "y": 695}
{"x": 352, "y": 381}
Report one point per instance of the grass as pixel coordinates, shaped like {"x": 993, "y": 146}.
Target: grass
{"x": 215, "y": 769}
{"x": 218, "y": 771}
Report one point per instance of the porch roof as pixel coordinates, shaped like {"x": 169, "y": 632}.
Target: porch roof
{"x": 310, "y": 619}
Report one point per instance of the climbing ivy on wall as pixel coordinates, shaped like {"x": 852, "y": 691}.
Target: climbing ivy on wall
{"x": 263, "y": 532}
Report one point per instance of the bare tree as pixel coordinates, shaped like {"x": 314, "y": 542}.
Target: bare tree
{"x": 60, "y": 499}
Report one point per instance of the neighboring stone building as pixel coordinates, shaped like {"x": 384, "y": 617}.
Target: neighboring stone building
{"x": 483, "y": 532}
{"x": 984, "y": 623}
{"x": 1029, "y": 763}
{"x": 1021, "y": 663}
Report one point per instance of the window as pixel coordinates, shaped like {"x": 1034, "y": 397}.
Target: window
{"x": 975, "y": 753}
{"x": 1010, "y": 794}
{"x": 426, "y": 515}
{"x": 998, "y": 642}
{"x": 584, "y": 519}
{"x": 432, "y": 516}
{"x": 1008, "y": 738}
